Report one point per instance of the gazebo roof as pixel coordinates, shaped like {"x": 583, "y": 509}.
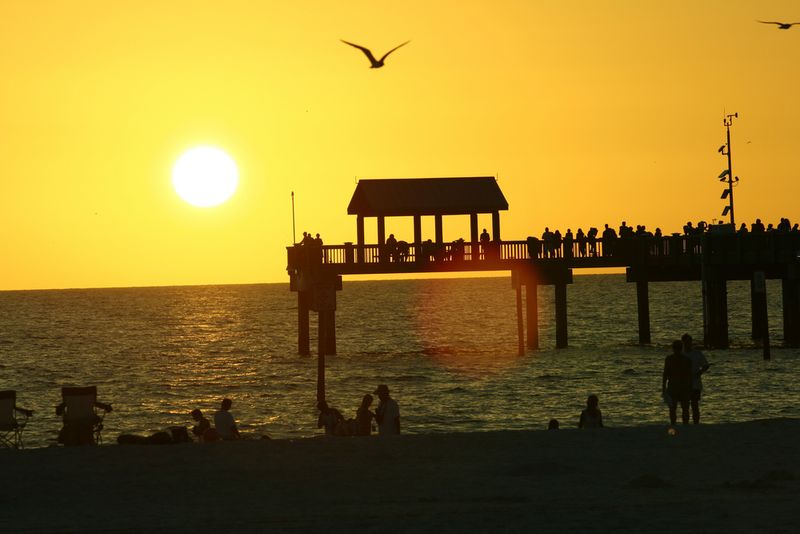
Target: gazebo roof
{"x": 427, "y": 196}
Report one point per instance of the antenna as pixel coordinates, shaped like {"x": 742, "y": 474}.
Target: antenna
{"x": 294, "y": 232}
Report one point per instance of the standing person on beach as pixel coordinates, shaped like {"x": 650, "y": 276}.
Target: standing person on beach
{"x": 364, "y": 417}
{"x": 699, "y": 366}
{"x": 591, "y": 417}
{"x": 388, "y": 413}
{"x": 676, "y": 383}
{"x": 225, "y": 423}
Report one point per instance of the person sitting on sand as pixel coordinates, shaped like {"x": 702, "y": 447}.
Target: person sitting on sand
{"x": 553, "y": 424}
{"x": 591, "y": 417}
{"x": 225, "y": 423}
{"x": 388, "y": 413}
{"x": 364, "y": 417}
{"x": 329, "y": 418}
{"x": 203, "y": 425}
{"x": 676, "y": 382}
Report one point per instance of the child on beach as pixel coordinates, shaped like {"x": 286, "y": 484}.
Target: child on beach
{"x": 329, "y": 418}
{"x": 202, "y": 426}
{"x": 364, "y": 417}
{"x": 591, "y": 417}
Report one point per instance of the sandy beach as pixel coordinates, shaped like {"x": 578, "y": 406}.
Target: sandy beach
{"x": 741, "y": 477}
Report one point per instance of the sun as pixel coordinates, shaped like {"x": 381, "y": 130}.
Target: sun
{"x": 205, "y": 176}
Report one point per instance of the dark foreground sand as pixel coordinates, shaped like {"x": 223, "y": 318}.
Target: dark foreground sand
{"x": 712, "y": 478}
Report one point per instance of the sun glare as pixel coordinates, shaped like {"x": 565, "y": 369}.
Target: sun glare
{"x": 205, "y": 176}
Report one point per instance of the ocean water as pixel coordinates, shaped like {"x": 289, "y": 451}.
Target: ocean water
{"x": 446, "y": 348}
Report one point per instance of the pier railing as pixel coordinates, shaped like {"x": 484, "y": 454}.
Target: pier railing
{"x": 674, "y": 249}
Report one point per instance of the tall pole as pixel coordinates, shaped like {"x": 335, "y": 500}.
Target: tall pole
{"x": 728, "y": 121}
{"x": 294, "y": 232}
{"x": 727, "y": 175}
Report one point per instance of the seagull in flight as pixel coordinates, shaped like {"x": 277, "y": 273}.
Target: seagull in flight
{"x": 374, "y": 63}
{"x": 781, "y": 25}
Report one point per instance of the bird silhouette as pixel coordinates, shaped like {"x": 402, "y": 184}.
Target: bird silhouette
{"x": 374, "y": 63}
{"x": 781, "y": 25}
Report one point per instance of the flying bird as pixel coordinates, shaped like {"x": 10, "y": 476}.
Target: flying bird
{"x": 781, "y": 25}
{"x": 374, "y": 63}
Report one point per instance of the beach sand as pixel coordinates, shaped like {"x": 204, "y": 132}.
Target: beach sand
{"x": 742, "y": 477}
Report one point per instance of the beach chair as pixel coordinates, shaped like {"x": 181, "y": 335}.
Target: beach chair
{"x": 82, "y": 415}
{"x": 12, "y": 420}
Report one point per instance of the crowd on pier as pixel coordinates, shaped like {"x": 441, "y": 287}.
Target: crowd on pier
{"x": 553, "y": 244}
{"x": 622, "y": 241}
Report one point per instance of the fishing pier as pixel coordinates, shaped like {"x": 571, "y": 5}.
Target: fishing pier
{"x": 712, "y": 258}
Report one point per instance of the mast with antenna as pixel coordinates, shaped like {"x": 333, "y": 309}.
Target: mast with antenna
{"x": 727, "y": 174}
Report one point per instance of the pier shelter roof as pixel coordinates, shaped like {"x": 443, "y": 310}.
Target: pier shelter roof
{"x": 426, "y": 196}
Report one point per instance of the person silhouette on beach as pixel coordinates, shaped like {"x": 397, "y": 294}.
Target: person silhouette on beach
{"x": 224, "y": 422}
{"x": 591, "y": 417}
{"x": 364, "y": 417}
{"x": 388, "y": 413}
{"x": 553, "y": 424}
{"x": 329, "y": 418}
{"x": 676, "y": 383}
{"x": 203, "y": 425}
{"x": 699, "y": 366}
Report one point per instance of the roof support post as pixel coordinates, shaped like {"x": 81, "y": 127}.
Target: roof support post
{"x": 418, "y": 237}
{"x": 438, "y": 223}
{"x": 360, "y": 239}
{"x": 473, "y": 227}
{"x": 382, "y": 238}
{"x": 381, "y": 230}
{"x": 495, "y": 226}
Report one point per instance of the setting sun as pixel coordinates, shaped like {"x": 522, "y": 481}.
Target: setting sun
{"x": 205, "y": 176}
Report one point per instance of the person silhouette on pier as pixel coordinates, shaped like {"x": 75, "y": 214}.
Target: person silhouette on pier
{"x": 609, "y": 237}
{"x": 699, "y": 366}
{"x": 569, "y": 239}
{"x": 391, "y": 248}
{"x": 592, "y": 239}
{"x": 676, "y": 383}
{"x": 580, "y": 237}
{"x": 547, "y": 242}
{"x": 485, "y": 244}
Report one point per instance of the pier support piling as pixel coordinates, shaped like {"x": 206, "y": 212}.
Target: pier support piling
{"x": 321, "y": 344}
{"x": 758, "y": 308}
{"x": 561, "y": 315}
{"x": 790, "y": 291}
{"x": 715, "y": 309}
{"x": 303, "y": 344}
{"x": 330, "y": 331}
{"x": 520, "y": 326}
{"x": 532, "y": 313}
{"x": 643, "y": 309}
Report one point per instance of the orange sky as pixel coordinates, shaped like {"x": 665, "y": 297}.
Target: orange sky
{"x": 587, "y": 111}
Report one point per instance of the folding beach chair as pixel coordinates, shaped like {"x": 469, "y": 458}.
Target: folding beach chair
{"x": 82, "y": 415}
{"x": 12, "y": 420}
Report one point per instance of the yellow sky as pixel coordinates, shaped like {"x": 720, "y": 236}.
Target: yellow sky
{"x": 587, "y": 111}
